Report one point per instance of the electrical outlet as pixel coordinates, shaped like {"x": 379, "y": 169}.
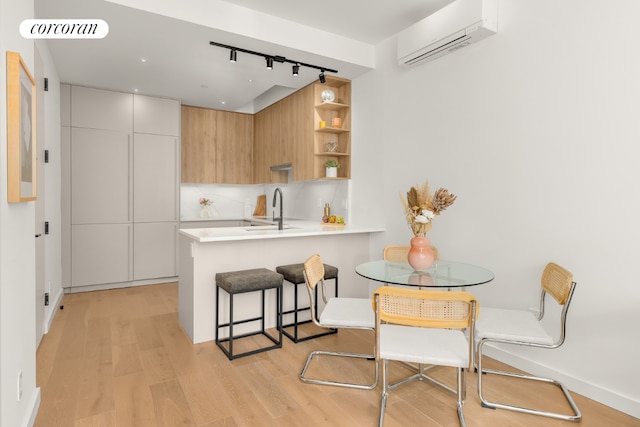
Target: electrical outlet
{"x": 19, "y": 385}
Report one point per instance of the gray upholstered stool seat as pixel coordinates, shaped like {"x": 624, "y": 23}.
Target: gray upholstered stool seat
{"x": 294, "y": 274}
{"x": 244, "y": 281}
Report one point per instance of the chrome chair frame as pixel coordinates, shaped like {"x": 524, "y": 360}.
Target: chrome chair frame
{"x": 314, "y": 275}
{"x": 400, "y": 318}
{"x": 563, "y": 300}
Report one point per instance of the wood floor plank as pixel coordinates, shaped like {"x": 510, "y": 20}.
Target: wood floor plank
{"x": 126, "y": 359}
{"x": 120, "y": 358}
{"x": 170, "y": 405}
{"x": 104, "y": 419}
{"x": 157, "y": 365}
{"x": 133, "y": 401}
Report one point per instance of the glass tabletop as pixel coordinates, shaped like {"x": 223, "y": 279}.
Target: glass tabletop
{"x": 442, "y": 274}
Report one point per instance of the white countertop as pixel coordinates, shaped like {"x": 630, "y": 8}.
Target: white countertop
{"x": 292, "y": 228}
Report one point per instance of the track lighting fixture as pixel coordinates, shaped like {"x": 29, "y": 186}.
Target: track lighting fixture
{"x": 271, "y": 58}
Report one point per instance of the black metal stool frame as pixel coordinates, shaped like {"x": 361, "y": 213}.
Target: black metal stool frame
{"x": 277, "y": 342}
{"x": 296, "y": 310}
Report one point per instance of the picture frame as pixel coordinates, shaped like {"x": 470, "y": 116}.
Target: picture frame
{"x": 21, "y": 131}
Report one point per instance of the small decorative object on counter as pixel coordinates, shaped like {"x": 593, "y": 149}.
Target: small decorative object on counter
{"x": 322, "y": 124}
{"x": 204, "y": 207}
{"x": 336, "y": 122}
{"x": 327, "y": 210}
{"x": 331, "y": 168}
{"x": 420, "y": 208}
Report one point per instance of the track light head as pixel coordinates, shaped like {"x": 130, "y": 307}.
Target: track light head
{"x": 321, "y": 77}
{"x": 233, "y": 55}
{"x": 296, "y": 69}
{"x": 269, "y": 62}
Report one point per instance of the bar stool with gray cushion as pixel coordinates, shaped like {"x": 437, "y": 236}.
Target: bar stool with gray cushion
{"x": 294, "y": 274}
{"x": 244, "y": 281}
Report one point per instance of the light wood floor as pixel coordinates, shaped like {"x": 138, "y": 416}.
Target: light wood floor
{"x": 120, "y": 358}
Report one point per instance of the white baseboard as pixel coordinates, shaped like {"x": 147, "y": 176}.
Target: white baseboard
{"x": 35, "y": 405}
{"x": 119, "y": 285}
{"x": 592, "y": 391}
{"x": 52, "y": 313}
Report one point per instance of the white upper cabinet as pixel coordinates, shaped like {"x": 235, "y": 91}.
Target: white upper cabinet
{"x": 159, "y": 116}
{"x": 101, "y": 109}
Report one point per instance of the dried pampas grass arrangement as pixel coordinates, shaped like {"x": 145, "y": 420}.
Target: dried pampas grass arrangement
{"x": 421, "y": 206}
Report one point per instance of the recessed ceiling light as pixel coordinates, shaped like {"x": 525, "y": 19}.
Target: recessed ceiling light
{"x": 135, "y": 90}
{"x": 223, "y": 102}
{"x": 143, "y": 59}
{"x": 250, "y": 80}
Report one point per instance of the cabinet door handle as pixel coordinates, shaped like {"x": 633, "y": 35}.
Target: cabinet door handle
{"x": 38, "y": 235}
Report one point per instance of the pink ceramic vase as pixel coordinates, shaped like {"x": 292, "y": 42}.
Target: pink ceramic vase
{"x": 420, "y": 255}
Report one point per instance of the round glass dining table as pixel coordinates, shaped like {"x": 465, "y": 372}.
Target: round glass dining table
{"x": 442, "y": 274}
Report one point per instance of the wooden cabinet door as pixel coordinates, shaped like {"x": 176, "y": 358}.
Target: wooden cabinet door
{"x": 287, "y": 127}
{"x": 198, "y": 146}
{"x": 261, "y": 142}
{"x": 155, "y": 250}
{"x": 303, "y": 149}
{"x": 155, "y": 178}
{"x": 101, "y": 253}
{"x": 101, "y": 165}
{"x": 274, "y": 148}
{"x": 234, "y": 148}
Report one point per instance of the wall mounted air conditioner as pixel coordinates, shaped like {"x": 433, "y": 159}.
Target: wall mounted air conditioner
{"x": 453, "y": 27}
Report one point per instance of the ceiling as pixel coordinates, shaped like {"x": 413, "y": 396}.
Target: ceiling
{"x": 160, "y": 55}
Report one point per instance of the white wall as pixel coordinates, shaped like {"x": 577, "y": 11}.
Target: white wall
{"x": 17, "y": 253}
{"x": 535, "y": 129}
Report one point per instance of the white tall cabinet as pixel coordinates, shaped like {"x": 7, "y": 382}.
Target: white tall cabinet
{"x": 120, "y": 187}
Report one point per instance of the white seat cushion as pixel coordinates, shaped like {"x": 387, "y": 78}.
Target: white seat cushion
{"x": 513, "y": 325}
{"x": 443, "y": 347}
{"x": 348, "y": 312}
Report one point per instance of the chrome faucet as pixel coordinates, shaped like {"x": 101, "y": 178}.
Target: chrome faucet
{"x": 279, "y": 219}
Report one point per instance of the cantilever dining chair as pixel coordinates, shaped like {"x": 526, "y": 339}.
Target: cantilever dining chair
{"x": 338, "y": 313}
{"x": 523, "y": 328}
{"x": 424, "y": 327}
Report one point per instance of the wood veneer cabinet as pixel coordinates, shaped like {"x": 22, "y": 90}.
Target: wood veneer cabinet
{"x": 274, "y": 139}
{"x": 198, "y": 145}
{"x": 262, "y": 121}
{"x": 234, "y": 148}
{"x": 217, "y": 146}
{"x": 339, "y": 109}
{"x": 310, "y": 149}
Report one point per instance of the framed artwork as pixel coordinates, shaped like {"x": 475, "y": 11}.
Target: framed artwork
{"x": 21, "y": 131}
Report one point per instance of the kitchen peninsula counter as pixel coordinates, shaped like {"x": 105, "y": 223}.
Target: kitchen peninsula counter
{"x": 207, "y": 251}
